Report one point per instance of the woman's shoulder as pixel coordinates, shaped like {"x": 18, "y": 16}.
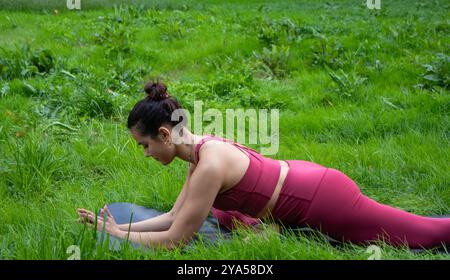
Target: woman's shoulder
{"x": 212, "y": 147}
{"x": 209, "y": 145}
{"x": 212, "y": 161}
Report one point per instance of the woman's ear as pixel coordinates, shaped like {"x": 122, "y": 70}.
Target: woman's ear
{"x": 164, "y": 135}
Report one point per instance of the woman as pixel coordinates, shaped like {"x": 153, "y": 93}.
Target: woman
{"x": 234, "y": 181}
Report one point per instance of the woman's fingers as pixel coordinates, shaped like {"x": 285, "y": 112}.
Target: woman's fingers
{"x": 83, "y": 221}
{"x": 100, "y": 226}
{"x": 101, "y": 223}
{"x": 102, "y": 211}
{"x": 109, "y": 213}
{"x": 83, "y": 211}
{"x": 90, "y": 217}
{"x": 86, "y": 217}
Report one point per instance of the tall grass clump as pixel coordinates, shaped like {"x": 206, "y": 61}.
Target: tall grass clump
{"x": 25, "y": 62}
{"x": 31, "y": 168}
{"x": 437, "y": 73}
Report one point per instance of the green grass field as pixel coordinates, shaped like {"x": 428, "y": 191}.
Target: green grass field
{"x": 363, "y": 91}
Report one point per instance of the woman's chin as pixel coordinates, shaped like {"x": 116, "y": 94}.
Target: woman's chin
{"x": 163, "y": 162}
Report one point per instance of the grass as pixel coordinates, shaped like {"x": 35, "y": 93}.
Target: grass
{"x": 362, "y": 91}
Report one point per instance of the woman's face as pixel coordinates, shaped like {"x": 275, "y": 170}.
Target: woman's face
{"x": 158, "y": 147}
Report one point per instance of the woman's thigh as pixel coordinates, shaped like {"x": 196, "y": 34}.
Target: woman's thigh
{"x": 336, "y": 196}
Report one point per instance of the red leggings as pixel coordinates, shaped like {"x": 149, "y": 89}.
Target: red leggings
{"x": 328, "y": 200}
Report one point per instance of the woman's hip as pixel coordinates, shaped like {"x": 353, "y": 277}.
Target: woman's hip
{"x": 298, "y": 190}
{"x": 312, "y": 191}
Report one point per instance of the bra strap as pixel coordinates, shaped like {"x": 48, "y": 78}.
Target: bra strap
{"x": 197, "y": 147}
{"x": 210, "y": 137}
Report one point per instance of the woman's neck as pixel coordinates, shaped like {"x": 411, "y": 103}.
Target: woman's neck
{"x": 186, "y": 149}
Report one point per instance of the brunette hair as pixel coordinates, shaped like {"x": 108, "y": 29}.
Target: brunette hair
{"x": 154, "y": 110}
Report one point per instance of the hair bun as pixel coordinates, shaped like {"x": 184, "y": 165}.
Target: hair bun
{"x": 156, "y": 91}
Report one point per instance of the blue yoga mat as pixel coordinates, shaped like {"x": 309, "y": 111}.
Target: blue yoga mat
{"x": 209, "y": 232}
{"x": 124, "y": 212}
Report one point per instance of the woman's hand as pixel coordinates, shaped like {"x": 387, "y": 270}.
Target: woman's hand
{"x": 110, "y": 224}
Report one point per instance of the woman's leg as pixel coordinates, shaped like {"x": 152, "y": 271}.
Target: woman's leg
{"x": 232, "y": 219}
{"x": 340, "y": 210}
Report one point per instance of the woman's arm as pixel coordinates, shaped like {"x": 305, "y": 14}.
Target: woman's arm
{"x": 204, "y": 185}
{"x": 158, "y": 223}
{"x": 164, "y": 221}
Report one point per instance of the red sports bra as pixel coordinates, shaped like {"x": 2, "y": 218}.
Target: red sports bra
{"x": 252, "y": 193}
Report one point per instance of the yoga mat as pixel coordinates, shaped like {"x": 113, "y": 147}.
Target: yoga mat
{"x": 209, "y": 232}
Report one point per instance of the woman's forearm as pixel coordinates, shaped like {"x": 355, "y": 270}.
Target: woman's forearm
{"x": 158, "y": 223}
{"x": 149, "y": 239}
